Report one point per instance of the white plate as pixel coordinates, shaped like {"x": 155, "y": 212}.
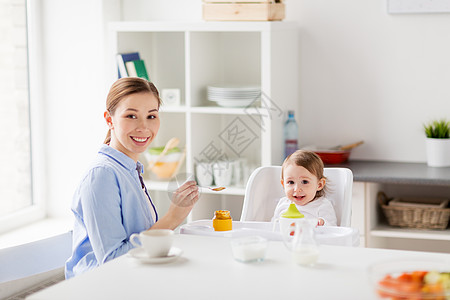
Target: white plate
{"x": 234, "y": 93}
{"x": 210, "y": 97}
{"x": 233, "y": 88}
{"x": 235, "y": 100}
{"x": 217, "y": 98}
{"x": 235, "y": 103}
{"x": 141, "y": 255}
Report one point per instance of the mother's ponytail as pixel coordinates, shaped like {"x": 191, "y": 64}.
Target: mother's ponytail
{"x": 108, "y": 137}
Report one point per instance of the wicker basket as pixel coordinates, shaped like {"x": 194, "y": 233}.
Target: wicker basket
{"x": 411, "y": 213}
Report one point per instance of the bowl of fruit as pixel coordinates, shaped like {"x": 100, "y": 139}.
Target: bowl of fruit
{"x": 165, "y": 164}
{"x": 421, "y": 279}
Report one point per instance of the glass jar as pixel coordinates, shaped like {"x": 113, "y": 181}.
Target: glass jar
{"x": 305, "y": 249}
{"x": 222, "y": 220}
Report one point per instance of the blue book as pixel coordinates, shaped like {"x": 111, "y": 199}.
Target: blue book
{"x": 122, "y": 59}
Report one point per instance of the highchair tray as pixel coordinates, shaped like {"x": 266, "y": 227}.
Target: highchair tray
{"x": 326, "y": 235}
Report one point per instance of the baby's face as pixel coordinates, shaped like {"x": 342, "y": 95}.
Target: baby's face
{"x": 300, "y": 185}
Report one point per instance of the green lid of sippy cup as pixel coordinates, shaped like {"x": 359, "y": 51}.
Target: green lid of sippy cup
{"x": 292, "y": 212}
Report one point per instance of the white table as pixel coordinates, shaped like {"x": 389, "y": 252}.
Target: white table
{"x": 207, "y": 270}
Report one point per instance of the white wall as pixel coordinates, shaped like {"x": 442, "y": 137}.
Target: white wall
{"x": 369, "y": 75}
{"x": 364, "y": 74}
{"x": 74, "y": 94}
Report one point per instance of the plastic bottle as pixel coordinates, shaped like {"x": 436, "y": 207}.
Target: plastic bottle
{"x": 290, "y": 135}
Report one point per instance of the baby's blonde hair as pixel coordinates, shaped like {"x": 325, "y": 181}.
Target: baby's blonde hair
{"x": 308, "y": 160}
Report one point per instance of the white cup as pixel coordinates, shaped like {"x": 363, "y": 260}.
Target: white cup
{"x": 223, "y": 171}
{"x": 204, "y": 173}
{"x": 156, "y": 242}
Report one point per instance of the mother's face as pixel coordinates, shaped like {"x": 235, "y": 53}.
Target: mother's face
{"x": 134, "y": 124}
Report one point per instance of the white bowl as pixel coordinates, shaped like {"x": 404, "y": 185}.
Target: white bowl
{"x": 249, "y": 249}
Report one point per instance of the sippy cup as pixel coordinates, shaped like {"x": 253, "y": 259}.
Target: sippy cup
{"x": 288, "y": 220}
{"x": 298, "y": 236}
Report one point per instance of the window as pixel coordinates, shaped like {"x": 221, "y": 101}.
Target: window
{"x": 16, "y": 184}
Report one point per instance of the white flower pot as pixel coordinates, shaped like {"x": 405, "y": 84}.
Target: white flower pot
{"x": 438, "y": 152}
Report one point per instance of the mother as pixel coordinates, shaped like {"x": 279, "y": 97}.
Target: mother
{"x": 111, "y": 202}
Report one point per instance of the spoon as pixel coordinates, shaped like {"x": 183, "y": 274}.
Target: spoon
{"x": 172, "y": 143}
{"x": 216, "y": 189}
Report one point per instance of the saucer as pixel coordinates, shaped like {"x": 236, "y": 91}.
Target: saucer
{"x": 141, "y": 255}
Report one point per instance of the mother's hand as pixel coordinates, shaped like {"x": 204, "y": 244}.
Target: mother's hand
{"x": 183, "y": 200}
{"x": 186, "y": 195}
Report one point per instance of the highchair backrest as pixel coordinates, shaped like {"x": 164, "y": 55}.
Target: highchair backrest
{"x": 264, "y": 190}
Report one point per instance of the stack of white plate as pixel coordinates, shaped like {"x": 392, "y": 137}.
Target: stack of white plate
{"x": 233, "y": 96}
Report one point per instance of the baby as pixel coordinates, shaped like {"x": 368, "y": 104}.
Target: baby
{"x": 304, "y": 183}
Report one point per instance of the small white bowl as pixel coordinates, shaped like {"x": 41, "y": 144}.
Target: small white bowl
{"x": 249, "y": 249}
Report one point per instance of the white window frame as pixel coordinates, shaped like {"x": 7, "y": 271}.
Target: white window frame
{"x": 37, "y": 210}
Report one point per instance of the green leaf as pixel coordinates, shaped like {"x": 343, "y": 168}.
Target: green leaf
{"x": 437, "y": 129}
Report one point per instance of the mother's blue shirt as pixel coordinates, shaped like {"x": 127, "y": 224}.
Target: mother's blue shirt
{"x": 109, "y": 205}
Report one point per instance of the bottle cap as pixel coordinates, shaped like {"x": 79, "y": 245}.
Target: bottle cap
{"x": 292, "y": 212}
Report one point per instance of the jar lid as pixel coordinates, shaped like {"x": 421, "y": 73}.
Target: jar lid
{"x": 292, "y": 212}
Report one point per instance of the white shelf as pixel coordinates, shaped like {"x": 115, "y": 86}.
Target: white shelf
{"x": 406, "y": 233}
{"x": 153, "y": 185}
{"x": 201, "y": 26}
{"x": 238, "y": 191}
{"x": 224, "y": 110}
{"x": 190, "y": 56}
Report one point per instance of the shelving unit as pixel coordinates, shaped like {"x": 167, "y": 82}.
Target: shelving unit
{"x": 387, "y": 231}
{"x": 192, "y": 55}
{"x": 380, "y": 234}
{"x": 397, "y": 180}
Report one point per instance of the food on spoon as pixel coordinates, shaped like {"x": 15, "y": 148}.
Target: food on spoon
{"x": 218, "y": 189}
{"x": 222, "y": 220}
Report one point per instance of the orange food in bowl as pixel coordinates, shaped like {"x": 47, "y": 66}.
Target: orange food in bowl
{"x": 167, "y": 166}
{"x": 165, "y": 169}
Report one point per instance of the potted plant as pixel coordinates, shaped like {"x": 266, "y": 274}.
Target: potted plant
{"x": 438, "y": 143}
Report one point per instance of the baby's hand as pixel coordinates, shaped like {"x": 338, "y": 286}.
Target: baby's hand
{"x": 320, "y": 222}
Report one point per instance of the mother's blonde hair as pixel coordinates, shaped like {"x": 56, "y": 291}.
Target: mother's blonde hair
{"x": 124, "y": 87}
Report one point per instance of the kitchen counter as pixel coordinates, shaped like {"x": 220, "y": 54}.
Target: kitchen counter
{"x": 397, "y": 172}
